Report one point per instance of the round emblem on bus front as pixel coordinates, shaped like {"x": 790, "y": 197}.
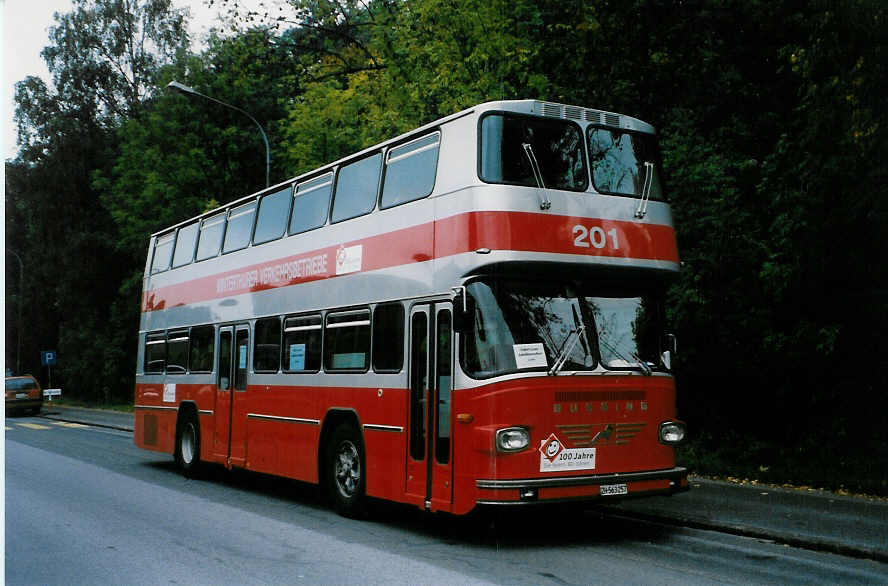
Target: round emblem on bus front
{"x": 550, "y": 447}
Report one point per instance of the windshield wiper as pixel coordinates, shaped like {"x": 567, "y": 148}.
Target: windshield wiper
{"x": 583, "y": 339}
{"x": 644, "y": 366}
{"x": 642, "y": 208}
{"x": 545, "y": 204}
{"x": 566, "y": 348}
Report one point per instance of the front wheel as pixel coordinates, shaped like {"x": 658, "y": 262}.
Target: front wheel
{"x": 346, "y": 471}
{"x": 187, "y": 454}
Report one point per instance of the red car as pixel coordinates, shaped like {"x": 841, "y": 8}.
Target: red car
{"x": 23, "y": 393}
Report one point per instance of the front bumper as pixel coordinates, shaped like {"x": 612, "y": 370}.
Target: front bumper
{"x": 565, "y": 488}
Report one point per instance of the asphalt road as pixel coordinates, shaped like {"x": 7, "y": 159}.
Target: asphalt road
{"x": 84, "y": 506}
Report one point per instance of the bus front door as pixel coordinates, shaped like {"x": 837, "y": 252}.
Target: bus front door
{"x": 429, "y": 470}
{"x": 231, "y": 395}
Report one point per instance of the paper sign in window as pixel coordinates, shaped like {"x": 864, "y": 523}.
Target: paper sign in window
{"x": 297, "y": 357}
{"x": 529, "y": 355}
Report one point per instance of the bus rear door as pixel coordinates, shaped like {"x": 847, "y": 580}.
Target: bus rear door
{"x": 230, "y": 438}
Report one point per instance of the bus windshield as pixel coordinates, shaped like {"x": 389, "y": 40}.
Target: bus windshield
{"x": 529, "y": 326}
{"x": 557, "y": 146}
{"x": 621, "y": 162}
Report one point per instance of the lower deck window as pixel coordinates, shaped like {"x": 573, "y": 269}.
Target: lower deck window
{"x": 347, "y": 346}
{"x": 388, "y": 337}
{"x": 177, "y": 352}
{"x": 155, "y": 353}
{"x": 302, "y": 344}
{"x": 201, "y": 348}
{"x": 266, "y": 355}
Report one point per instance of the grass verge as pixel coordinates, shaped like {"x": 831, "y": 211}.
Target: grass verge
{"x": 805, "y": 465}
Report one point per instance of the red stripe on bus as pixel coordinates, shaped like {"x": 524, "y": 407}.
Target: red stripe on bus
{"x": 531, "y": 232}
{"x": 501, "y": 231}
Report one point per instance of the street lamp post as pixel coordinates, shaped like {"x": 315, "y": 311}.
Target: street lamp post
{"x": 184, "y": 89}
{"x": 18, "y": 326}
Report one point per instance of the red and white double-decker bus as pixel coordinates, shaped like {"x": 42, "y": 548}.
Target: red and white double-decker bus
{"x": 468, "y": 314}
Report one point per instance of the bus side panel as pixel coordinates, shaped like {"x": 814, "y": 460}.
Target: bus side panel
{"x": 283, "y": 432}
{"x": 382, "y": 413}
{"x": 153, "y": 429}
{"x": 283, "y": 448}
{"x": 155, "y": 419}
{"x": 286, "y": 445}
{"x": 384, "y": 430}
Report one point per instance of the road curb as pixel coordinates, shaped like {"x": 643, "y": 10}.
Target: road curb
{"x": 842, "y": 549}
{"x": 83, "y": 422}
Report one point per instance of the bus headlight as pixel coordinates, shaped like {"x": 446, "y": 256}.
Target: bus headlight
{"x": 512, "y": 439}
{"x": 672, "y": 432}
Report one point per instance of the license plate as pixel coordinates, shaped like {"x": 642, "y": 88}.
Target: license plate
{"x": 21, "y": 395}
{"x": 614, "y": 489}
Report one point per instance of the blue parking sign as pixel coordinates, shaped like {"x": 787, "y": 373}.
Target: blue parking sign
{"x": 48, "y": 357}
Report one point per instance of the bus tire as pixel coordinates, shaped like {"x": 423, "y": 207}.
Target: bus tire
{"x": 346, "y": 469}
{"x": 187, "y": 452}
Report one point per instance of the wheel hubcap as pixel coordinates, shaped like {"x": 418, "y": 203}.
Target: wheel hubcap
{"x": 347, "y": 469}
{"x": 188, "y": 444}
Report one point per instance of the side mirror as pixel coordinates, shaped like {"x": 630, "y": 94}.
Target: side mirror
{"x": 462, "y": 313}
{"x": 671, "y": 345}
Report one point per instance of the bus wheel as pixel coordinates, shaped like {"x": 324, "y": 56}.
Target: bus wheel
{"x": 346, "y": 469}
{"x": 187, "y": 454}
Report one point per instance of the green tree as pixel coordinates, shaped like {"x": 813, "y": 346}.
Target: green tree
{"x": 103, "y": 57}
{"x": 180, "y": 156}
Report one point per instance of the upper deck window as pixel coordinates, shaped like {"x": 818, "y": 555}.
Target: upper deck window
{"x": 240, "y": 227}
{"x": 557, "y": 146}
{"x": 622, "y": 160}
{"x": 163, "y": 252}
{"x": 274, "y": 211}
{"x": 185, "y": 242}
{"x": 356, "y": 188}
{"x": 410, "y": 171}
{"x": 311, "y": 202}
{"x": 211, "y": 231}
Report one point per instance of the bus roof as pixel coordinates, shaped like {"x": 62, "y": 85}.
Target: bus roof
{"x": 532, "y": 107}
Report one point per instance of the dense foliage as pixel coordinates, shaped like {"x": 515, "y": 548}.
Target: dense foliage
{"x": 772, "y": 121}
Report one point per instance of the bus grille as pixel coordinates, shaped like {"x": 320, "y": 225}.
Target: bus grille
{"x": 582, "y": 436}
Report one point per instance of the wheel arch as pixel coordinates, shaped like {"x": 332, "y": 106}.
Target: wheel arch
{"x": 333, "y": 418}
{"x": 188, "y": 410}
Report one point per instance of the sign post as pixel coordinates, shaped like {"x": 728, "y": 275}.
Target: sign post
{"x": 48, "y": 359}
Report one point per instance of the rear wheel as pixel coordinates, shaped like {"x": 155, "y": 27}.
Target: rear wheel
{"x": 187, "y": 454}
{"x": 346, "y": 480}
